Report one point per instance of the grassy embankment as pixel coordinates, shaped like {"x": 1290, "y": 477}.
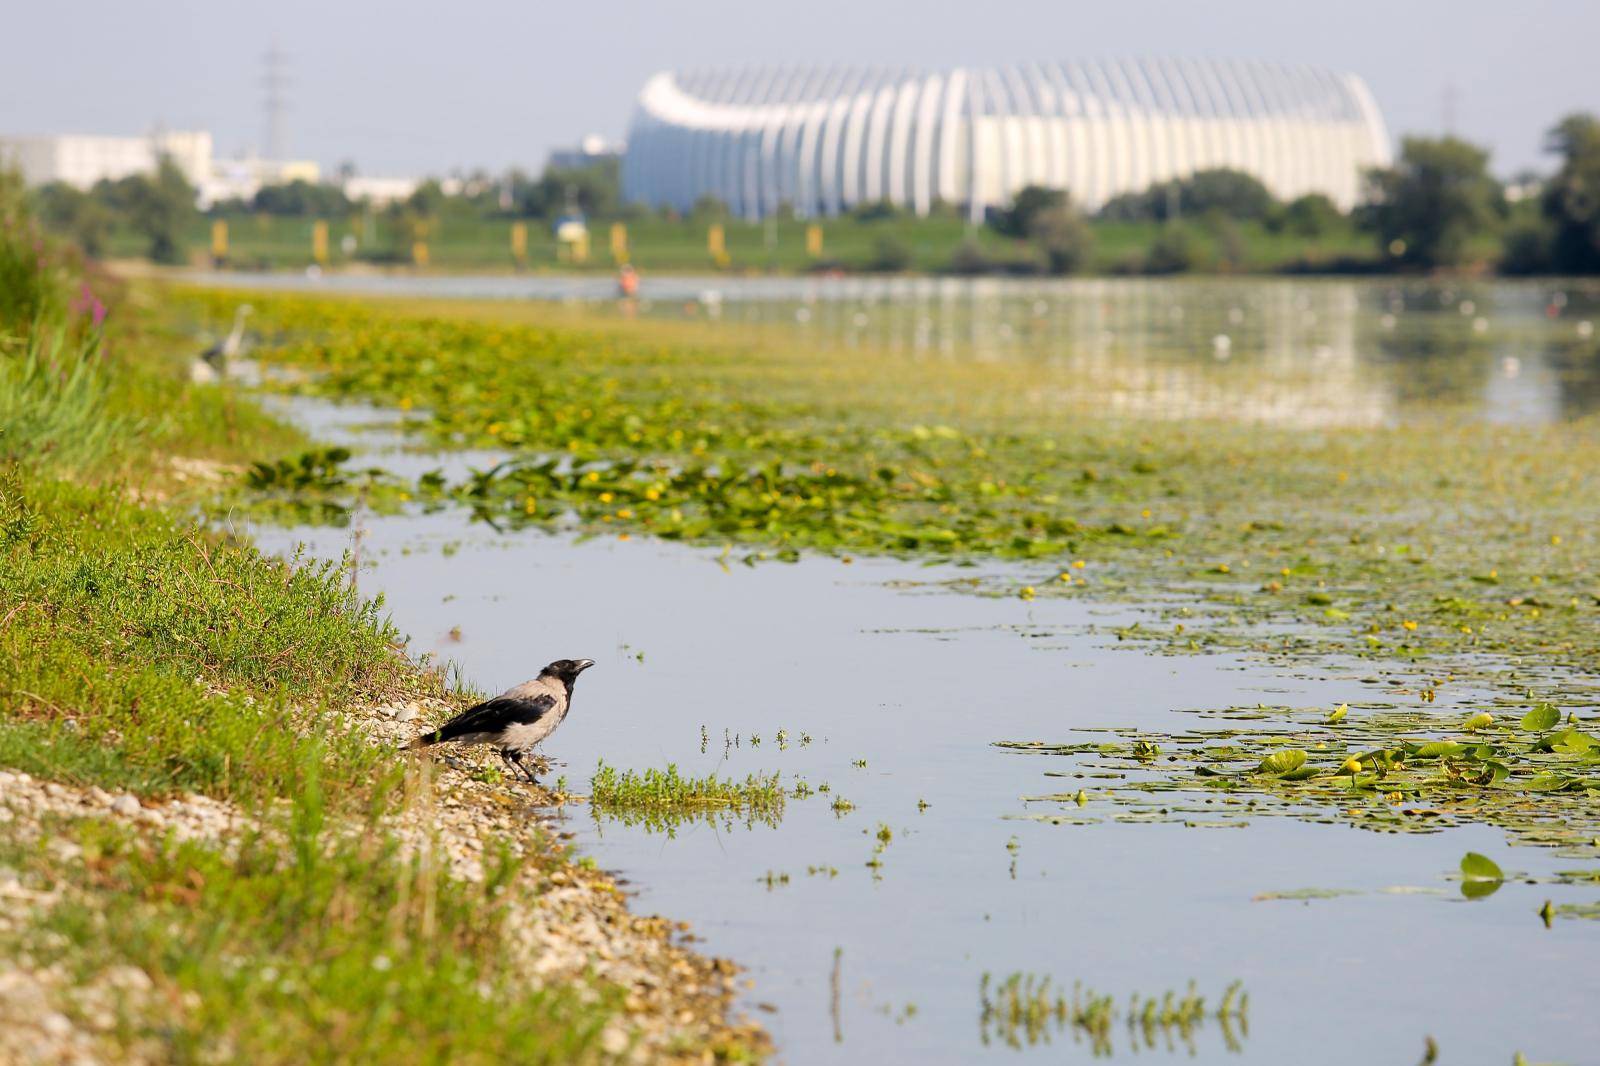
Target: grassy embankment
{"x": 1447, "y": 553}
{"x": 657, "y": 245}
{"x": 142, "y": 652}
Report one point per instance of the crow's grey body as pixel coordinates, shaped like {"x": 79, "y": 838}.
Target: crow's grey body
{"x": 518, "y": 719}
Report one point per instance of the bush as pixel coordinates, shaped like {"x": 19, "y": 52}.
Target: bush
{"x": 876, "y": 211}
{"x": 1026, "y": 207}
{"x": 1065, "y": 239}
{"x": 1231, "y": 193}
{"x": 1172, "y": 252}
{"x": 30, "y": 287}
{"x": 890, "y": 255}
{"x": 1311, "y": 215}
{"x": 302, "y": 199}
{"x": 969, "y": 258}
{"x": 1526, "y": 248}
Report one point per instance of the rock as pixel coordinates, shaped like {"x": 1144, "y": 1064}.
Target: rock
{"x": 409, "y": 713}
{"x": 126, "y": 805}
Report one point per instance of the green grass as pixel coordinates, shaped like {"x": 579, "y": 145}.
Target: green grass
{"x": 321, "y": 947}
{"x": 662, "y": 800}
{"x": 142, "y": 650}
{"x": 54, "y": 404}
{"x": 655, "y": 244}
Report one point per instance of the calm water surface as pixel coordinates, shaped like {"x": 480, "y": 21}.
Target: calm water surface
{"x": 879, "y": 662}
{"x": 1316, "y": 352}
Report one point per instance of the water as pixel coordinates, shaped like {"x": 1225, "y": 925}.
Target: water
{"x": 919, "y": 683}
{"x": 1309, "y": 353}
{"x": 882, "y": 662}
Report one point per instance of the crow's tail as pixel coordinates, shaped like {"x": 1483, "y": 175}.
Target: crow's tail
{"x": 425, "y": 740}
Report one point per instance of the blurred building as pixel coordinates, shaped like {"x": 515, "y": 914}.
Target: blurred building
{"x": 379, "y": 192}
{"x": 591, "y": 150}
{"x": 242, "y": 178}
{"x": 823, "y": 139}
{"x": 81, "y": 160}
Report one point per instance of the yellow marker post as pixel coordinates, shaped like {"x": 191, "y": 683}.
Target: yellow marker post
{"x": 519, "y": 242}
{"x": 419, "y": 253}
{"x": 716, "y": 241}
{"x": 580, "y": 248}
{"x": 619, "y": 243}
{"x": 219, "y": 240}
{"x": 814, "y": 241}
{"x": 319, "y": 241}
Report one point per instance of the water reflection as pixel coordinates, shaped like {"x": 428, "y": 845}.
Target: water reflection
{"x": 1307, "y": 353}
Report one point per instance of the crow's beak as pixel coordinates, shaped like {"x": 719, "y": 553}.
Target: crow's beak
{"x": 584, "y": 664}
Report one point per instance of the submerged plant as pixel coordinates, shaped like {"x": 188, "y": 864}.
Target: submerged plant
{"x": 1026, "y": 1009}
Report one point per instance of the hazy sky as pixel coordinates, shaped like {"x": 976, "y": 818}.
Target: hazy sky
{"x": 402, "y": 87}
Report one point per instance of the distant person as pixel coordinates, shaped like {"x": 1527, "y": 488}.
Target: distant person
{"x": 627, "y": 282}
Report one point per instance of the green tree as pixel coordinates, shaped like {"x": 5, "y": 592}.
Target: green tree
{"x": 1064, "y": 237}
{"x": 596, "y": 190}
{"x": 1231, "y": 193}
{"x": 1310, "y": 215}
{"x": 302, "y": 199}
{"x": 1427, "y": 209}
{"x": 74, "y": 214}
{"x": 1572, "y": 198}
{"x": 1030, "y": 202}
{"x": 158, "y": 206}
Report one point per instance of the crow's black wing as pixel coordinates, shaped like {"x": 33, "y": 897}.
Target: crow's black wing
{"x": 491, "y": 716}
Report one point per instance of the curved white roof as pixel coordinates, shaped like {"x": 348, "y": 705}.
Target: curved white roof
{"x": 826, "y": 138}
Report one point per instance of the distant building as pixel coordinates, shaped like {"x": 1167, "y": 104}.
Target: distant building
{"x": 379, "y": 192}
{"x": 81, "y": 160}
{"x": 242, "y": 178}
{"x": 591, "y": 150}
{"x": 824, "y": 139}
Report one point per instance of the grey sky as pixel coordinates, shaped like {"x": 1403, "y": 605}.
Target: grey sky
{"x": 405, "y": 87}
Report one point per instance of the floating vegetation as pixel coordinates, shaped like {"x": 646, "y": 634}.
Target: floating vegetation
{"x": 1536, "y": 777}
{"x": 1376, "y": 541}
{"x": 320, "y": 487}
{"x": 1025, "y": 1010}
{"x": 663, "y": 800}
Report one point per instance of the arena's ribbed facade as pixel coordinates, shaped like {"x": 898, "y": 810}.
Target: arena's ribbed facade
{"x": 824, "y": 140}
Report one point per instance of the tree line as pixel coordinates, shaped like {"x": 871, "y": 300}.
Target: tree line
{"x": 1437, "y": 207}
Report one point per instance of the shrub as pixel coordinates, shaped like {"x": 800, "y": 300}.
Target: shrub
{"x": 890, "y": 255}
{"x": 1172, "y": 252}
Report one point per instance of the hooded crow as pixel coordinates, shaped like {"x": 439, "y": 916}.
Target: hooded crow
{"x": 517, "y": 719}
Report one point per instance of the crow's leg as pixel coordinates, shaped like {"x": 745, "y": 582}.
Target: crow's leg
{"x": 510, "y": 763}
{"x": 527, "y": 773}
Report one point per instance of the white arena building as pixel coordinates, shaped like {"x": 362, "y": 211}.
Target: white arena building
{"x": 825, "y": 139}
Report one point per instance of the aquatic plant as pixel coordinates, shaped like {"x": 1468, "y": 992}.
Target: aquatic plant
{"x": 1536, "y": 776}
{"x": 1026, "y": 1009}
{"x": 663, "y": 800}
{"x": 1380, "y": 542}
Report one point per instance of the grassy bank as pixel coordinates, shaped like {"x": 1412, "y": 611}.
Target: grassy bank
{"x": 207, "y": 855}
{"x": 933, "y": 245}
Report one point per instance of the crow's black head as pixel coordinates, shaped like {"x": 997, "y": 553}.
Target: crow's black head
{"x": 566, "y": 670}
